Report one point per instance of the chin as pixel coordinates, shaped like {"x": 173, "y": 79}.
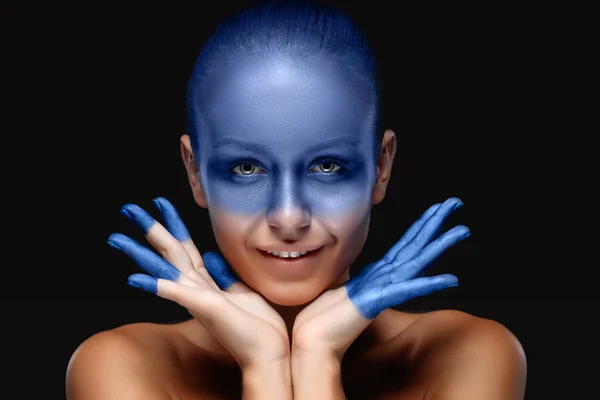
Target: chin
{"x": 290, "y": 294}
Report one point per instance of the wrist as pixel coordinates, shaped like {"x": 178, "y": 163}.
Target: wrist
{"x": 316, "y": 375}
{"x": 271, "y": 380}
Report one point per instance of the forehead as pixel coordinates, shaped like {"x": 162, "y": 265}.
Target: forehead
{"x": 285, "y": 101}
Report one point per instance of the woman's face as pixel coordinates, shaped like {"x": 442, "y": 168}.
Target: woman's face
{"x": 286, "y": 164}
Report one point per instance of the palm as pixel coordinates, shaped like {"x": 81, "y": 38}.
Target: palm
{"x": 256, "y": 306}
{"x": 331, "y": 320}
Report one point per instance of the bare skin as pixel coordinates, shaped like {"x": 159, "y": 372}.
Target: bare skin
{"x": 441, "y": 355}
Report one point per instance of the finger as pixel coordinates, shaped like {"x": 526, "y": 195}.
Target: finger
{"x": 428, "y": 231}
{"x": 399, "y": 293}
{"x": 371, "y": 303}
{"x": 162, "y": 240}
{"x": 172, "y": 220}
{"x": 421, "y": 263}
{"x": 364, "y": 271}
{"x": 177, "y": 228}
{"x": 204, "y": 302}
{"x": 149, "y": 261}
{"x": 144, "y": 282}
{"x": 222, "y": 274}
{"x": 410, "y": 233}
{"x": 207, "y": 304}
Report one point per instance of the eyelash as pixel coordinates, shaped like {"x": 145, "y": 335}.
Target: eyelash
{"x": 337, "y": 163}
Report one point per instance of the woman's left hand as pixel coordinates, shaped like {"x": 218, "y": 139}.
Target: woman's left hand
{"x": 330, "y": 324}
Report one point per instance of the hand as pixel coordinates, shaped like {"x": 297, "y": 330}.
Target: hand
{"x": 239, "y": 318}
{"x": 336, "y": 318}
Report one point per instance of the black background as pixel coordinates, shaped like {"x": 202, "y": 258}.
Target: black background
{"x": 463, "y": 88}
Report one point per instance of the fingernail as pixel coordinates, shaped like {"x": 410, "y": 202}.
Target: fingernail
{"x": 113, "y": 244}
{"x": 133, "y": 284}
{"x": 465, "y": 236}
{"x": 138, "y": 216}
{"x": 143, "y": 282}
{"x": 458, "y": 205}
{"x": 126, "y": 214}
{"x": 157, "y": 203}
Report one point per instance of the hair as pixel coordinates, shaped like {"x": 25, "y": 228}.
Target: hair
{"x": 299, "y": 28}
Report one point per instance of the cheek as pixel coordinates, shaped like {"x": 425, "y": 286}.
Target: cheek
{"x": 249, "y": 197}
{"x": 350, "y": 229}
{"x": 231, "y": 231}
{"x": 337, "y": 203}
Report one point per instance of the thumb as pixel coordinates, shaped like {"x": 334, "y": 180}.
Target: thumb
{"x": 223, "y": 274}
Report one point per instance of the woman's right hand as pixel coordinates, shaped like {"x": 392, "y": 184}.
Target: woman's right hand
{"x": 239, "y": 318}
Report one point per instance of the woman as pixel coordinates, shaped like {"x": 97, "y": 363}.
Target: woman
{"x": 286, "y": 152}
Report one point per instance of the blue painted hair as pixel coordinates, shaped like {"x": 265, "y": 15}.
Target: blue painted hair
{"x": 292, "y": 27}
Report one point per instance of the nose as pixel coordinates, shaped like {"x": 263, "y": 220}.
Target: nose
{"x": 289, "y": 217}
{"x": 289, "y": 222}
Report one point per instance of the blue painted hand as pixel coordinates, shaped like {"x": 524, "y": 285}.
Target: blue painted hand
{"x": 335, "y": 319}
{"x": 239, "y": 318}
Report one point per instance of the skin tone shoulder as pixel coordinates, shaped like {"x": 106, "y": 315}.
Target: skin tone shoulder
{"x": 287, "y": 171}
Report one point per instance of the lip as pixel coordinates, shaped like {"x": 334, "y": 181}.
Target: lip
{"x": 308, "y": 254}
{"x": 290, "y": 268}
{"x": 279, "y": 249}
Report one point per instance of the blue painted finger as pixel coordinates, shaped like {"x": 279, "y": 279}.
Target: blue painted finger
{"x": 364, "y": 272}
{"x": 410, "y": 233}
{"x": 149, "y": 261}
{"x": 144, "y": 282}
{"x": 138, "y": 216}
{"x": 171, "y": 218}
{"x": 219, "y": 270}
{"x": 371, "y": 303}
{"x": 429, "y": 230}
{"x": 419, "y": 265}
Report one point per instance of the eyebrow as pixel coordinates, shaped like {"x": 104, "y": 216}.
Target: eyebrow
{"x": 259, "y": 148}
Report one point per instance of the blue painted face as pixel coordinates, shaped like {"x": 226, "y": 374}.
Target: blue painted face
{"x": 286, "y": 163}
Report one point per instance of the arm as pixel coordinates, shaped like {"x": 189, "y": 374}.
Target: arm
{"x": 487, "y": 363}
{"x": 317, "y": 377}
{"x": 110, "y": 366}
{"x": 325, "y": 329}
{"x": 265, "y": 382}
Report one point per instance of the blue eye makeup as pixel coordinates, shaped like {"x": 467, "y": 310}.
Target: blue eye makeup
{"x": 326, "y": 167}
{"x": 279, "y": 132}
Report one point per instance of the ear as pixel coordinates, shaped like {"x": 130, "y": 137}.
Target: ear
{"x": 385, "y": 160}
{"x": 187, "y": 155}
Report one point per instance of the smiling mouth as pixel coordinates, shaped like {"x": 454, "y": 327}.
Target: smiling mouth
{"x": 289, "y": 255}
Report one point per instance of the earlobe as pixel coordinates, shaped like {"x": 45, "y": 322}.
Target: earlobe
{"x": 191, "y": 166}
{"x": 384, "y": 165}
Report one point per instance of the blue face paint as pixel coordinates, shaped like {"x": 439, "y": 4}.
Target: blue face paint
{"x": 397, "y": 277}
{"x": 277, "y": 131}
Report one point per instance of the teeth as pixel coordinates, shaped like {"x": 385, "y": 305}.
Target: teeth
{"x": 288, "y": 254}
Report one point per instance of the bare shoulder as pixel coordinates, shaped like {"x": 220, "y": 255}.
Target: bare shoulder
{"x": 119, "y": 364}
{"x": 467, "y": 357}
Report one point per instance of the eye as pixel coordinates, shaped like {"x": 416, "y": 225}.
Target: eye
{"x": 327, "y": 167}
{"x": 247, "y": 169}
